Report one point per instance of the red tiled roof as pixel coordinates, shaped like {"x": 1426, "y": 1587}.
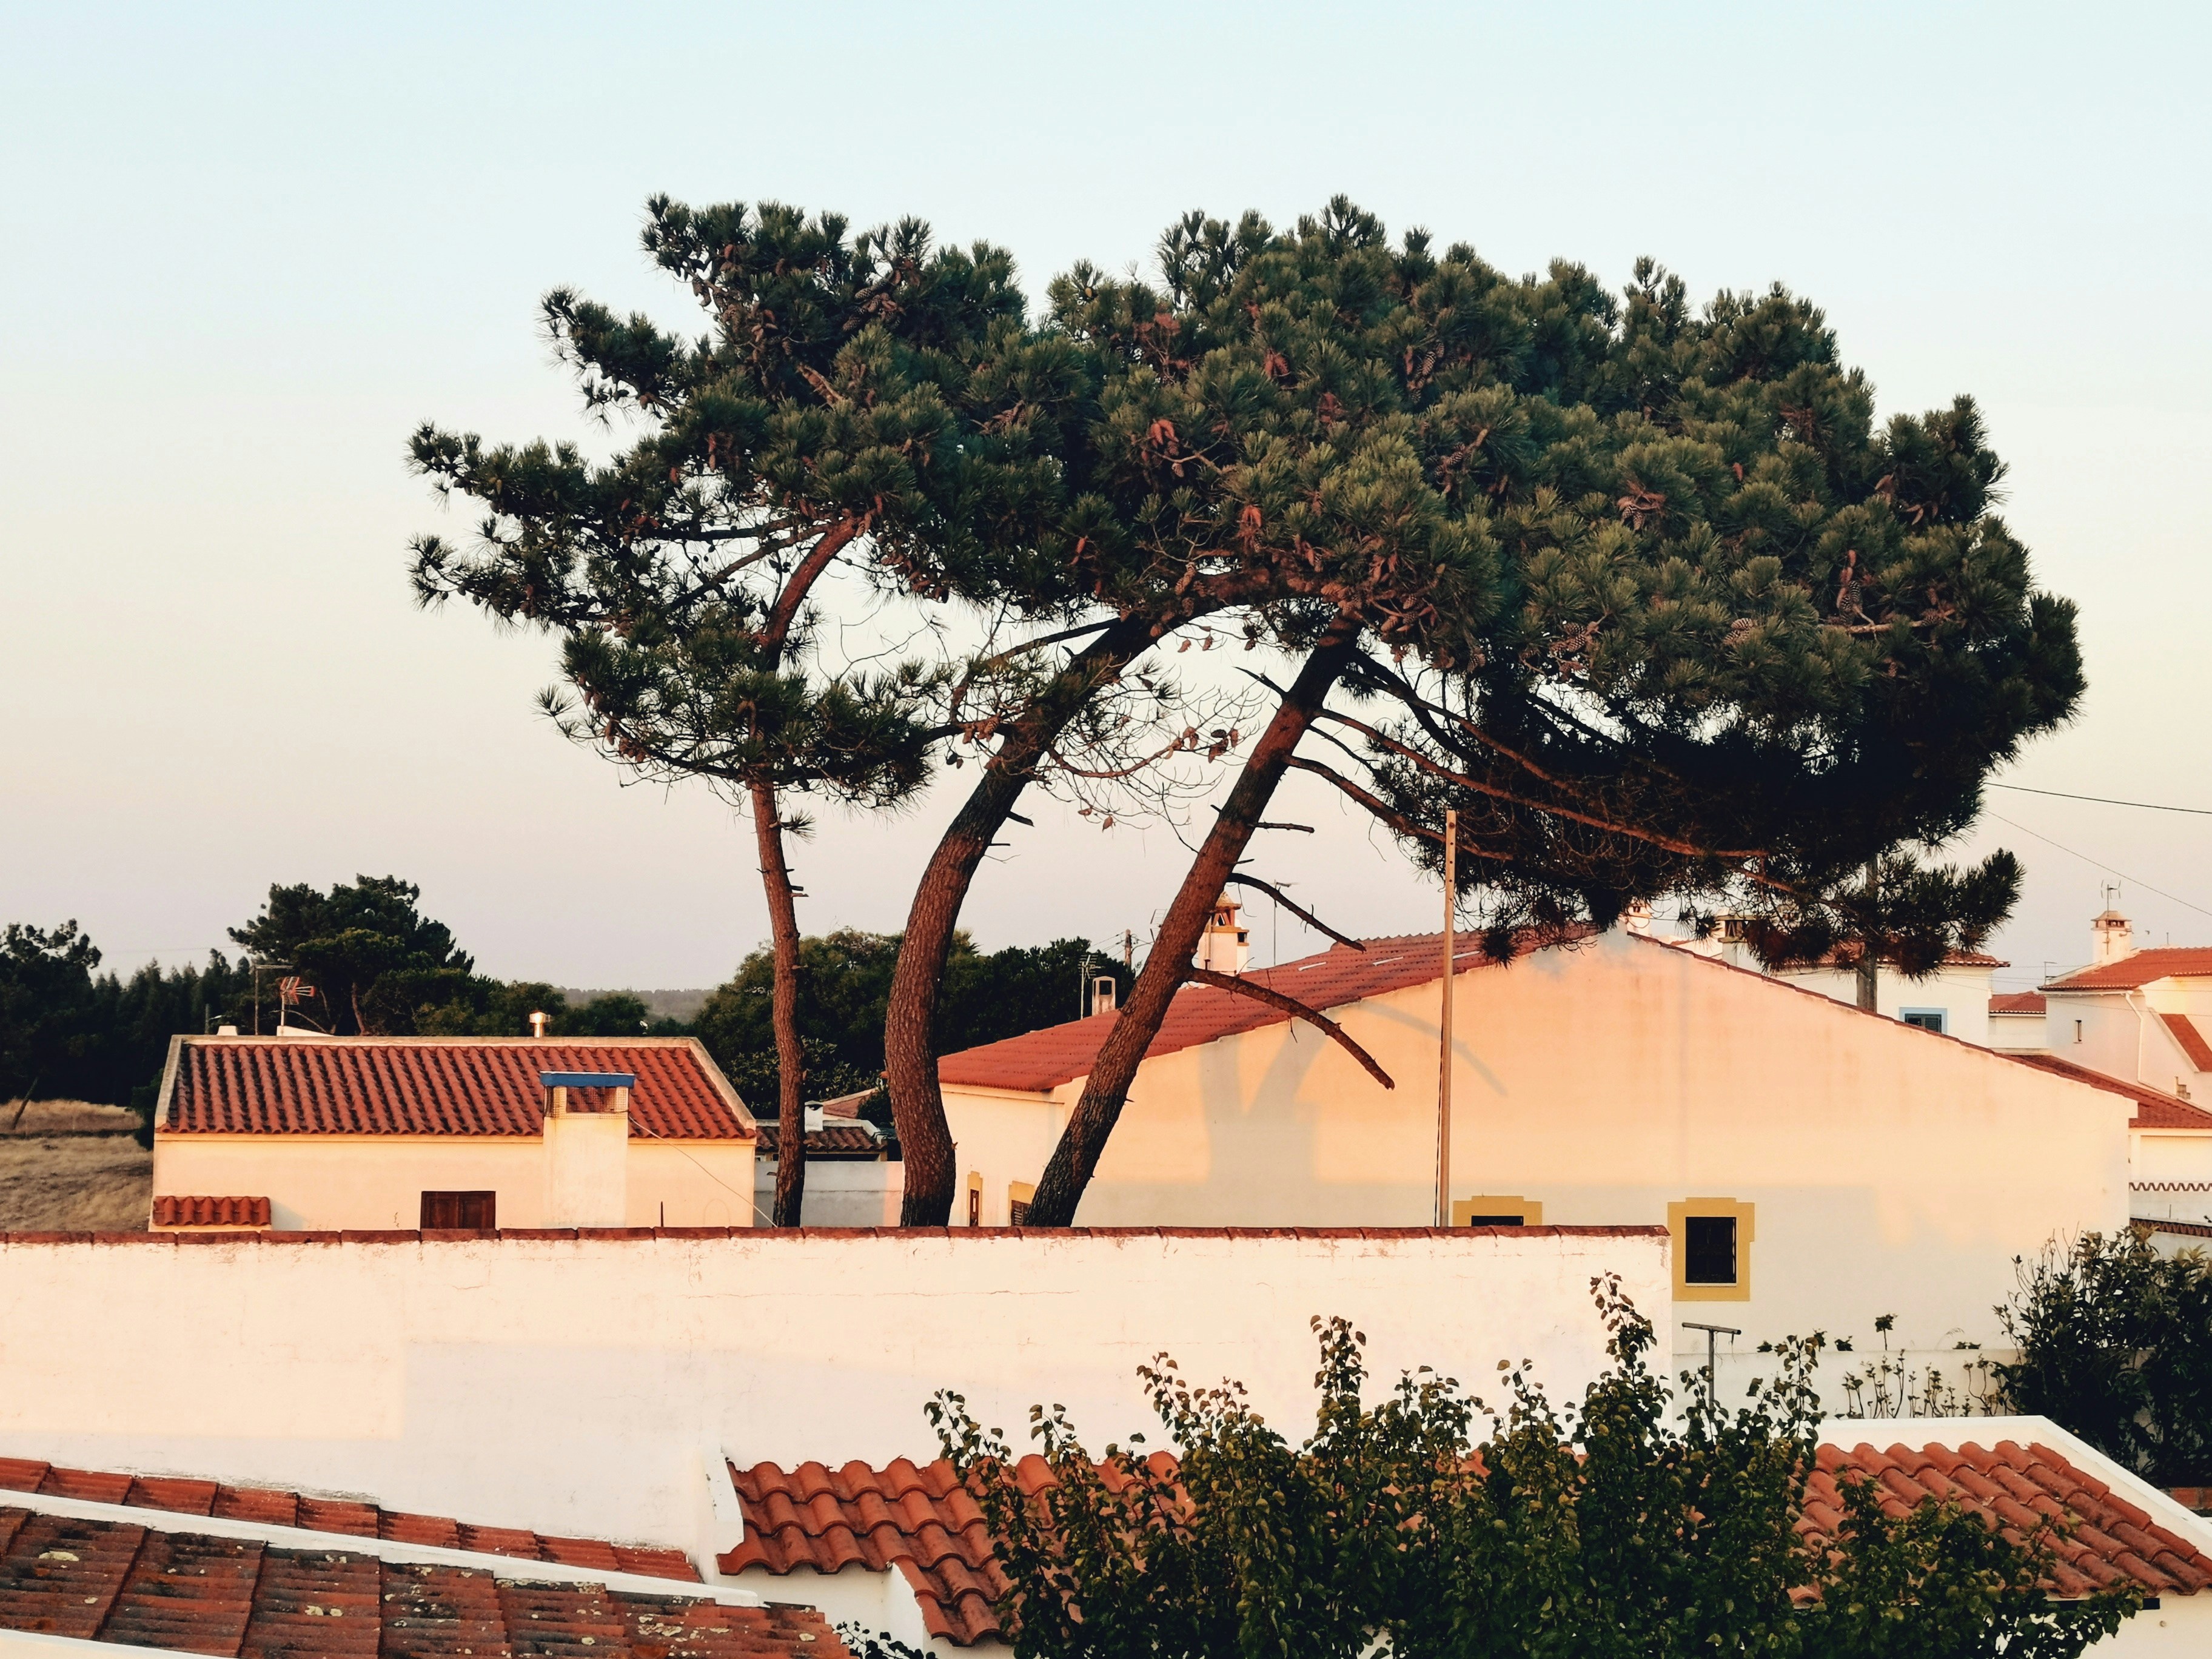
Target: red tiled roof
{"x": 432, "y": 1086}
{"x": 917, "y": 1518}
{"x": 2153, "y": 1110}
{"x": 2129, "y": 972}
{"x": 290, "y": 1508}
{"x": 2018, "y": 1487}
{"x": 1042, "y": 1059}
{"x": 2017, "y": 1002}
{"x": 834, "y": 1140}
{"x": 172, "y": 1210}
{"x": 2190, "y": 1039}
{"x": 107, "y": 1580}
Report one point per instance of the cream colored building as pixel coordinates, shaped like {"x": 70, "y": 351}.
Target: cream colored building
{"x": 1817, "y": 1166}
{"x": 2142, "y": 1015}
{"x": 331, "y": 1133}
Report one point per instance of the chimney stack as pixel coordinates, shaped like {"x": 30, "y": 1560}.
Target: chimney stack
{"x": 586, "y": 1148}
{"x": 2110, "y": 938}
{"x": 538, "y": 1023}
{"x": 1226, "y": 947}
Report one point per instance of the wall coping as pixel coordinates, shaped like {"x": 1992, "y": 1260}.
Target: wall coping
{"x": 796, "y": 1235}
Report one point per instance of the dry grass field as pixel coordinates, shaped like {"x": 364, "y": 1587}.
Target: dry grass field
{"x": 68, "y": 1166}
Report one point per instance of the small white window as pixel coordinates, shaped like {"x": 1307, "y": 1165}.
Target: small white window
{"x": 1928, "y": 1019}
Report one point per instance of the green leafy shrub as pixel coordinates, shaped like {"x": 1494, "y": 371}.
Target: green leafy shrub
{"x": 1638, "y": 1524}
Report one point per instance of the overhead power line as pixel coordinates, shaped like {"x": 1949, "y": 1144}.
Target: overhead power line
{"x": 2101, "y": 865}
{"x": 2102, "y": 800}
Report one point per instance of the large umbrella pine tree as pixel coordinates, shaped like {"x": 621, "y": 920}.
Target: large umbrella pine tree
{"x": 683, "y": 575}
{"x": 1651, "y": 600}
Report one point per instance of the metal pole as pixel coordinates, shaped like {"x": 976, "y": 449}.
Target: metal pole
{"x": 1445, "y": 1023}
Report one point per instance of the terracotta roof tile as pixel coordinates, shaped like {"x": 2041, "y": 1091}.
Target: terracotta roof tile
{"x": 178, "y": 1496}
{"x": 186, "y": 1591}
{"x": 2190, "y": 1039}
{"x": 171, "y": 1210}
{"x": 2018, "y": 1002}
{"x": 432, "y": 1085}
{"x": 2108, "y": 1538}
{"x": 109, "y": 1581}
{"x": 1043, "y": 1060}
{"x": 2153, "y": 1110}
{"x": 829, "y": 1141}
{"x": 2130, "y": 972}
{"x": 272, "y": 1508}
{"x": 61, "y": 1576}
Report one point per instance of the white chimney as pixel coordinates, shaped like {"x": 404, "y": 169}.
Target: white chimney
{"x": 1103, "y": 992}
{"x": 586, "y": 1148}
{"x": 2110, "y": 938}
{"x": 1226, "y": 947}
{"x": 538, "y": 1023}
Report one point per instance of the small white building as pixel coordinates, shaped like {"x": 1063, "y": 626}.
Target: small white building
{"x": 2144, "y": 1016}
{"x": 332, "y": 1133}
{"x": 1817, "y": 1166}
{"x": 2016, "y": 1022}
{"x": 854, "y": 1177}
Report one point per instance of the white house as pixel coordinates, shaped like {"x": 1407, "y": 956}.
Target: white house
{"x": 329, "y": 1133}
{"x": 2145, "y": 1016}
{"x": 1817, "y": 1166}
{"x": 854, "y": 1174}
{"x": 2016, "y": 1022}
{"x": 2169, "y": 1155}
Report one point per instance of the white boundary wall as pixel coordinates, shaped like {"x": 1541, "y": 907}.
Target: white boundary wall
{"x": 582, "y": 1383}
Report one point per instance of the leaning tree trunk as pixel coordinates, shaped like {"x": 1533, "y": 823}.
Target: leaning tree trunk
{"x": 910, "y": 1018}
{"x": 1060, "y": 1189}
{"x": 782, "y": 914}
{"x": 790, "y": 1052}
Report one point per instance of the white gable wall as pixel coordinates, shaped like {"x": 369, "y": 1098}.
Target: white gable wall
{"x": 315, "y": 1183}
{"x": 1889, "y": 1169}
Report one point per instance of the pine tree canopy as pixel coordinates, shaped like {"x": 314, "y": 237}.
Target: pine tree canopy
{"x": 1647, "y": 592}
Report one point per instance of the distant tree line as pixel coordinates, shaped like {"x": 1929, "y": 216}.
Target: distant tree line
{"x": 361, "y": 958}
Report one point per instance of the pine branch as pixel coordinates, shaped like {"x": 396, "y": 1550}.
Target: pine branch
{"x": 1295, "y": 1010}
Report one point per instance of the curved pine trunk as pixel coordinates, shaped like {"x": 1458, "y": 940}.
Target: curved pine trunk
{"x": 790, "y": 1052}
{"x": 910, "y": 1018}
{"x": 1060, "y": 1188}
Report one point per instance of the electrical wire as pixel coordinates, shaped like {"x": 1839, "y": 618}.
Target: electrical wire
{"x": 2101, "y": 865}
{"x": 2102, "y": 800}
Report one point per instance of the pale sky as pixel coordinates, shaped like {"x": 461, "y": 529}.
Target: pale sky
{"x": 246, "y": 250}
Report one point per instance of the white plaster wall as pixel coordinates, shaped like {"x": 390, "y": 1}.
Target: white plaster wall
{"x": 2113, "y": 1039}
{"x": 840, "y": 1192}
{"x": 572, "y": 1385}
{"x": 2171, "y": 1177}
{"x": 1963, "y": 993}
{"x": 1894, "y": 1171}
{"x": 374, "y": 1182}
{"x": 2019, "y": 1033}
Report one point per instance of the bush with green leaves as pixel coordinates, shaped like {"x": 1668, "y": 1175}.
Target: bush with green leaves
{"x": 2115, "y": 1344}
{"x": 1638, "y": 1524}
